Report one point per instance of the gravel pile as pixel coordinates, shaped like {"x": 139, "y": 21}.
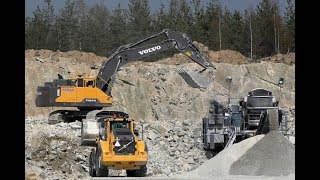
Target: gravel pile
{"x": 273, "y": 155}
{"x": 220, "y": 164}
{"x": 263, "y": 156}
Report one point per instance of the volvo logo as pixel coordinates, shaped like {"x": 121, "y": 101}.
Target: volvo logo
{"x": 150, "y": 50}
{"x": 91, "y": 100}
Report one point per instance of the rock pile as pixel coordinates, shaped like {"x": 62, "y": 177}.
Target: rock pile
{"x": 53, "y": 151}
{"x": 174, "y": 147}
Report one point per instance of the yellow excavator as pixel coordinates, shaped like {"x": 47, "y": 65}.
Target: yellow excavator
{"x": 88, "y": 94}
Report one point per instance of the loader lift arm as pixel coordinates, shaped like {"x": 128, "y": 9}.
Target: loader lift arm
{"x": 138, "y": 50}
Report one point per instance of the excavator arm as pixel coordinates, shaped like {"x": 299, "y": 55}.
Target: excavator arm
{"x": 138, "y": 50}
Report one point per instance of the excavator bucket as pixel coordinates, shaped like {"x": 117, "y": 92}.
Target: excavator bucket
{"x": 194, "y": 79}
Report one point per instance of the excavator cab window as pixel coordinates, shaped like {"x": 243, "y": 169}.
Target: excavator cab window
{"x": 80, "y": 82}
{"x": 120, "y": 125}
{"x": 89, "y": 84}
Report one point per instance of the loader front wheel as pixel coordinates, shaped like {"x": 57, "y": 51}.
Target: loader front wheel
{"x": 92, "y": 169}
{"x": 142, "y": 172}
{"x": 101, "y": 170}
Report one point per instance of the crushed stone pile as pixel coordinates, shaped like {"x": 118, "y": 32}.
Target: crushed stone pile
{"x": 273, "y": 155}
{"x": 270, "y": 155}
{"x": 220, "y": 164}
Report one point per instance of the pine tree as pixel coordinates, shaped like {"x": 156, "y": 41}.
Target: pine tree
{"x": 212, "y": 17}
{"x": 160, "y": 20}
{"x": 289, "y": 23}
{"x": 264, "y": 29}
{"x": 247, "y": 34}
{"x": 66, "y": 27}
{"x": 97, "y": 30}
{"x": 184, "y": 17}
{"x": 232, "y": 30}
{"x": 81, "y": 15}
{"x": 37, "y": 30}
{"x": 118, "y": 28}
{"x": 27, "y": 33}
{"x": 173, "y": 15}
{"x": 49, "y": 23}
{"x": 198, "y": 25}
{"x": 139, "y": 19}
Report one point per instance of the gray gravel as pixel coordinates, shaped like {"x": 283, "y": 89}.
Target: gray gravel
{"x": 273, "y": 155}
{"x": 220, "y": 164}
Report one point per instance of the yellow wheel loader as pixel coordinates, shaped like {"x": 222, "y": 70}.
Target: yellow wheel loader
{"x": 116, "y": 145}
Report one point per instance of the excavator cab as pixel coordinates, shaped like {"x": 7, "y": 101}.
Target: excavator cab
{"x": 84, "y": 82}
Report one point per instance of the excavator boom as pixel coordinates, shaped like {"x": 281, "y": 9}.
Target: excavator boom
{"x": 139, "y": 50}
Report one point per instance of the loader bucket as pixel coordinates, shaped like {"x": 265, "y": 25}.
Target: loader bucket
{"x": 194, "y": 79}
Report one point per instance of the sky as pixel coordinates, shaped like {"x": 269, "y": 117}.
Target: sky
{"x": 240, "y": 5}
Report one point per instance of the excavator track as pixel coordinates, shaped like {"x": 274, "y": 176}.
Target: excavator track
{"x": 55, "y": 117}
{"x": 66, "y": 116}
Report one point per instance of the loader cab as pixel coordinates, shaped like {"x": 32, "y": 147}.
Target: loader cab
{"x": 117, "y": 119}
{"x": 120, "y": 124}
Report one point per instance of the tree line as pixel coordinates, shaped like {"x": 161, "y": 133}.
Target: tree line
{"x": 257, "y": 32}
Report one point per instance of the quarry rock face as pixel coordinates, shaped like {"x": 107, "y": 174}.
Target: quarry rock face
{"x": 157, "y": 97}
